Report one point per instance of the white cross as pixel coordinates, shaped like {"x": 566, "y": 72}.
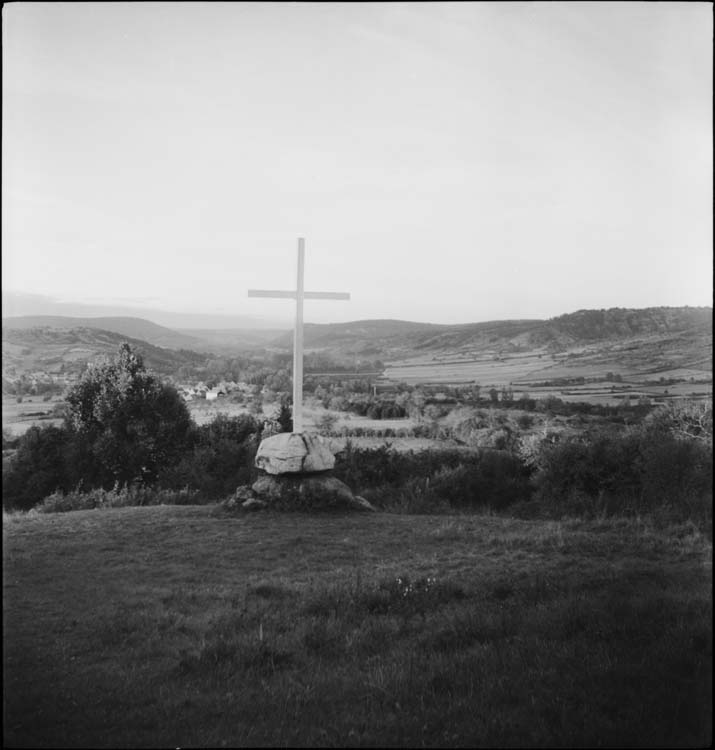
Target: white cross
{"x": 298, "y": 295}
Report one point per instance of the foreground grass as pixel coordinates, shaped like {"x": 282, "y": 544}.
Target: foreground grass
{"x": 182, "y": 626}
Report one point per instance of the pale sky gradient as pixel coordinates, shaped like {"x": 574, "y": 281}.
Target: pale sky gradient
{"x": 445, "y": 162}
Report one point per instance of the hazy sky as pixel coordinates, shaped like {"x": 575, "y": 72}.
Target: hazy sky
{"x": 445, "y": 162}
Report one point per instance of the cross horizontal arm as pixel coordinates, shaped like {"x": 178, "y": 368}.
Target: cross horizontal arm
{"x": 291, "y": 295}
{"x": 270, "y": 293}
{"x": 326, "y": 295}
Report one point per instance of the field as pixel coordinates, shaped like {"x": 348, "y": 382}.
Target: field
{"x": 17, "y": 417}
{"x": 526, "y": 372}
{"x": 187, "y": 626}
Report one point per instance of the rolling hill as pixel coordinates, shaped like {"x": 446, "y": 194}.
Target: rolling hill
{"x": 67, "y": 350}
{"x": 135, "y": 328}
{"x": 396, "y": 338}
{"x": 646, "y": 340}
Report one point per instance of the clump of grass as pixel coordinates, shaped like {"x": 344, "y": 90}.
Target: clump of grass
{"x": 400, "y": 596}
{"x": 118, "y": 497}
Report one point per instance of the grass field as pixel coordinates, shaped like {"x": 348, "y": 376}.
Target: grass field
{"x": 522, "y": 370}
{"x": 185, "y": 626}
{"x": 18, "y": 417}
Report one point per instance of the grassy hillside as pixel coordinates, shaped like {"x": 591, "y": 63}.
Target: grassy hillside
{"x": 617, "y": 323}
{"x": 135, "y": 328}
{"x": 68, "y": 350}
{"x": 233, "y": 340}
{"x": 669, "y": 342}
{"x": 184, "y": 626}
{"x": 401, "y": 339}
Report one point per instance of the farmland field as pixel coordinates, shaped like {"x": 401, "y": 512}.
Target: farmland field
{"x": 525, "y": 373}
{"x": 17, "y": 417}
{"x": 187, "y": 626}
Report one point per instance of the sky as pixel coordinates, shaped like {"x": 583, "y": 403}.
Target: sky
{"x": 445, "y": 162}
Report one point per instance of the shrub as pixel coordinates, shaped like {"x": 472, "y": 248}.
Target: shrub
{"x": 434, "y": 481}
{"x": 677, "y": 473}
{"x": 9, "y": 441}
{"x": 39, "y": 466}
{"x": 221, "y": 459}
{"x": 640, "y": 470}
{"x": 525, "y": 421}
{"x": 592, "y": 466}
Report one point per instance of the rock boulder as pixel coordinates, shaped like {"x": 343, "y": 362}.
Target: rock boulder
{"x": 309, "y": 493}
{"x": 294, "y": 453}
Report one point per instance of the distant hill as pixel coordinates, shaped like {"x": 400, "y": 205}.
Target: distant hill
{"x": 655, "y": 337}
{"x": 15, "y": 304}
{"x": 230, "y": 341}
{"x": 619, "y": 322}
{"x": 364, "y": 337}
{"x": 136, "y": 328}
{"x": 403, "y": 339}
{"x": 67, "y": 350}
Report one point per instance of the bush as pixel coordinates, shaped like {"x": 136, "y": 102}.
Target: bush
{"x": 606, "y": 463}
{"x": 9, "y": 441}
{"x": 54, "y": 460}
{"x": 40, "y": 465}
{"x": 221, "y": 459}
{"x": 641, "y": 470}
{"x": 525, "y": 421}
{"x": 434, "y": 481}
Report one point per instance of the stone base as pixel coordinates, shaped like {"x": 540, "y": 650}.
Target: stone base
{"x": 294, "y": 453}
{"x": 307, "y": 493}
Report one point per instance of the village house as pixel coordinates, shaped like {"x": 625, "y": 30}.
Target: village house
{"x": 213, "y": 393}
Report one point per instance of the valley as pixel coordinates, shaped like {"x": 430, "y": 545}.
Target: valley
{"x": 606, "y": 357}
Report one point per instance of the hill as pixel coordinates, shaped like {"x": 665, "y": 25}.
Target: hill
{"x": 619, "y": 323}
{"x": 397, "y": 338}
{"x": 670, "y": 341}
{"x": 136, "y": 328}
{"x": 232, "y": 341}
{"x": 15, "y": 304}
{"x": 67, "y": 350}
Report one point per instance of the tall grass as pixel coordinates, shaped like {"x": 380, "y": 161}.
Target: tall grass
{"x": 118, "y": 497}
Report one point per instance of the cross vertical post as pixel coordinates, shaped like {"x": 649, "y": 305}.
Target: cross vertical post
{"x": 298, "y": 343}
{"x": 299, "y": 295}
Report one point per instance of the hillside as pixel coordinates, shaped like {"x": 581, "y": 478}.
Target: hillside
{"x": 67, "y": 350}
{"x": 136, "y": 328}
{"x": 231, "y": 341}
{"x": 401, "y": 339}
{"x": 619, "y": 323}
{"x": 651, "y": 340}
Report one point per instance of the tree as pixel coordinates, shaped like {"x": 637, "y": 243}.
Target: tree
{"x": 255, "y": 406}
{"x": 688, "y": 419}
{"x": 131, "y": 423}
{"x": 284, "y": 415}
{"x": 326, "y": 422}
